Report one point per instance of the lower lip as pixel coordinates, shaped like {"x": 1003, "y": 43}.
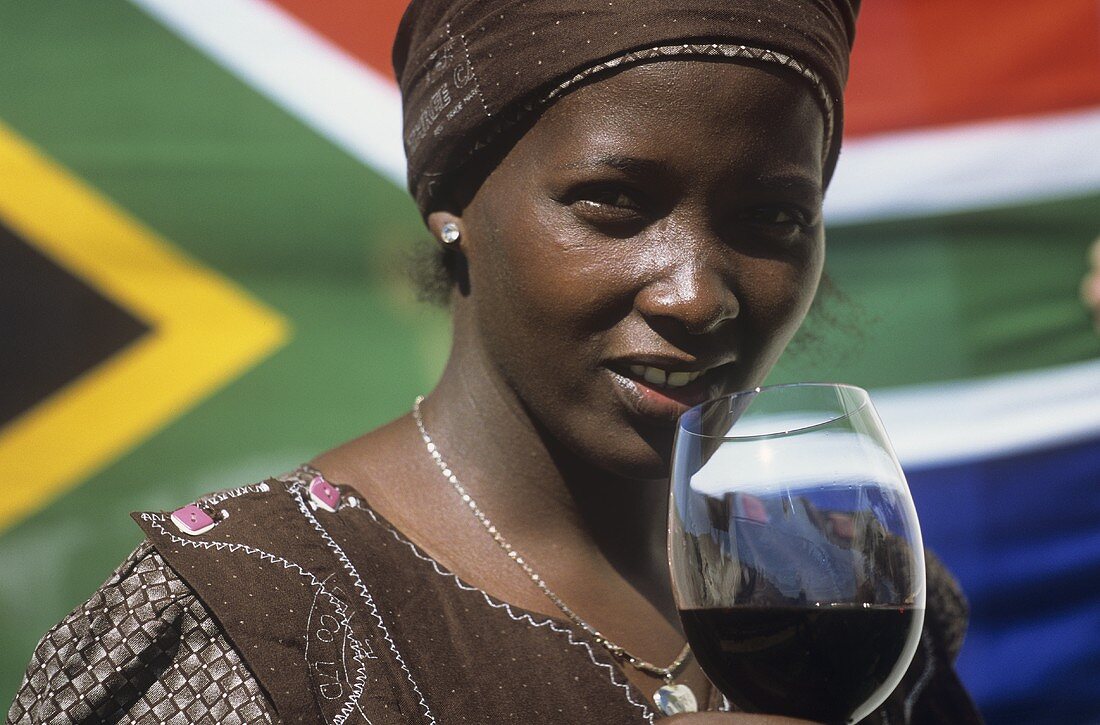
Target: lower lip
{"x": 663, "y": 405}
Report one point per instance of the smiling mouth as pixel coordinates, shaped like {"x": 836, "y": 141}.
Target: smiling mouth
{"x": 663, "y": 378}
{"x": 664, "y": 394}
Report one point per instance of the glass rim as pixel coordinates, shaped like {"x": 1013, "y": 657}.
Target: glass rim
{"x": 695, "y": 411}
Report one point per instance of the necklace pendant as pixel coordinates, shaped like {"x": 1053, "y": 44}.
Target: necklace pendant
{"x": 674, "y": 699}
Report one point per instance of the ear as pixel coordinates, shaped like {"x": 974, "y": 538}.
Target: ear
{"x": 436, "y": 222}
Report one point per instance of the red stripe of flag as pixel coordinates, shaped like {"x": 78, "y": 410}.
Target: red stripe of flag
{"x": 363, "y": 30}
{"x": 920, "y": 63}
{"x": 917, "y": 63}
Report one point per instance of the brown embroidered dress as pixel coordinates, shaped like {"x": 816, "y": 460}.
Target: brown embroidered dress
{"x": 286, "y": 611}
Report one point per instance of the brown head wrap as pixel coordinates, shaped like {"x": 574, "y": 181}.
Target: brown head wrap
{"x": 471, "y": 70}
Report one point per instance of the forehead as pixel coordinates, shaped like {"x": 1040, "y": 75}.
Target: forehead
{"x": 691, "y": 112}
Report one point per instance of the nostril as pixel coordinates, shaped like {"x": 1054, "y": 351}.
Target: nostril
{"x": 698, "y": 300}
{"x": 706, "y": 321}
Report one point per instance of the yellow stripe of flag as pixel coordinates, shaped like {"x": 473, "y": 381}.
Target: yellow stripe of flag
{"x": 205, "y": 331}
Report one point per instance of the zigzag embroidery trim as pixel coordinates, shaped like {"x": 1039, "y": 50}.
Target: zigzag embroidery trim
{"x": 570, "y": 635}
{"x": 216, "y": 498}
{"x": 297, "y": 489}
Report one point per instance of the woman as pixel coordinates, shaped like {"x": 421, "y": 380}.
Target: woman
{"x": 627, "y": 198}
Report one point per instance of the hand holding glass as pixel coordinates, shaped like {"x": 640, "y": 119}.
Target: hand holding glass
{"x": 795, "y": 552}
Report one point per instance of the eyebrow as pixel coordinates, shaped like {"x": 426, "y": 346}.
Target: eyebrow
{"x": 785, "y": 180}
{"x": 792, "y": 181}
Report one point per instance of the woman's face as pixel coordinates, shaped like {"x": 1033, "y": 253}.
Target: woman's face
{"x": 653, "y": 241}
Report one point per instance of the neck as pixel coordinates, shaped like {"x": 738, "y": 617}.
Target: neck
{"x": 544, "y": 500}
{"x": 627, "y": 520}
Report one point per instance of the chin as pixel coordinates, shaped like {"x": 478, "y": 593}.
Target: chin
{"x": 645, "y": 456}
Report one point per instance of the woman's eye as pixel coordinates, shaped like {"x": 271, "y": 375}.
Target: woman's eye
{"x": 777, "y": 221}
{"x": 777, "y": 215}
{"x": 613, "y": 209}
{"x": 613, "y": 201}
{"x": 617, "y": 201}
{"x": 774, "y": 226}
{"x": 780, "y": 216}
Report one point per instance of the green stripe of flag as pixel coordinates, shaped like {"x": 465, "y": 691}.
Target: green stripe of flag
{"x": 951, "y": 297}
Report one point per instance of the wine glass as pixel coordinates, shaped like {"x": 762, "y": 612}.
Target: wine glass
{"x": 795, "y": 551}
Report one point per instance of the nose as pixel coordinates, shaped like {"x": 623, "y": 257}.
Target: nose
{"x": 693, "y": 293}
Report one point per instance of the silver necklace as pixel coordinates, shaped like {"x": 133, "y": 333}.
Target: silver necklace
{"x": 670, "y": 698}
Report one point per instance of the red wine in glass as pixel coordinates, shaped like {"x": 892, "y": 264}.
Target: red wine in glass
{"x": 820, "y": 662}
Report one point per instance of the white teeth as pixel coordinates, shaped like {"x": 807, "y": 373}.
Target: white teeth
{"x": 657, "y": 376}
{"x": 677, "y": 380}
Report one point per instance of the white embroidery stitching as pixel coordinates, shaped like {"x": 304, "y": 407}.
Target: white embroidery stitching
{"x": 340, "y": 607}
{"x": 296, "y": 489}
{"x": 473, "y": 73}
{"x": 612, "y": 672}
{"x": 215, "y": 498}
{"x": 298, "y": 477}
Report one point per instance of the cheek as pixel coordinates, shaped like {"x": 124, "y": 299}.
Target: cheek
{"x": 551, "y": 278}
{"x": 800, "y": 285}
{"x": 542, "y": 308}
{"x": 776, "y": 295}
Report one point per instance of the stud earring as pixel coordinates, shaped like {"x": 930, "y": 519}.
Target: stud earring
{"x": 449, "y": 234}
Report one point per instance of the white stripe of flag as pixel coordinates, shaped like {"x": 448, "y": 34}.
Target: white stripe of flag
{"x": 352, "y": 105}
{"x": 980, "y": 165}
{"x": 955, "y": 422}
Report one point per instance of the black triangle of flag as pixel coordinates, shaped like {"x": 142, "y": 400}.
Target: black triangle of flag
{"x": 54, "y": 326}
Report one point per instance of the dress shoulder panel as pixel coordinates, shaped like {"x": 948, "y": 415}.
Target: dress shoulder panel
{"x": 142, "y": 648}
{"x": 260, "y": 559}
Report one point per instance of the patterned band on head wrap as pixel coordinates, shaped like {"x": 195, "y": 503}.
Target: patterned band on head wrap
{"x": 472, "y": 70}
